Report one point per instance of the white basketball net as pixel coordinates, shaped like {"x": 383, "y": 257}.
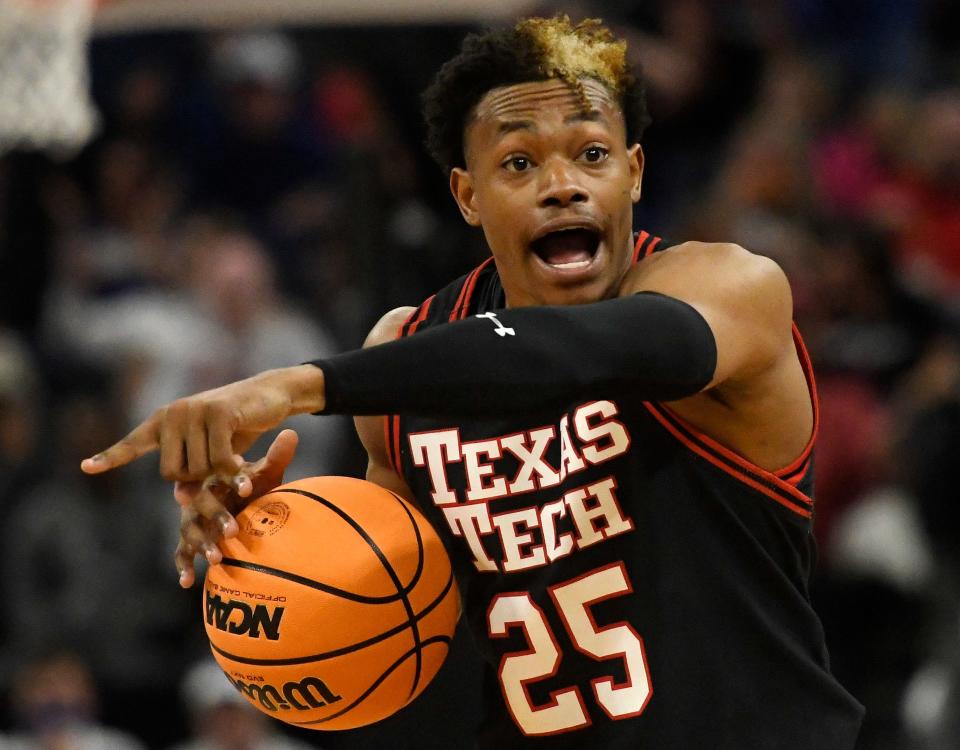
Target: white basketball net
{"x": 44, "y": 96}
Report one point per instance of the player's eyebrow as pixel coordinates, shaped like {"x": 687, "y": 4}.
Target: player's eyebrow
{"x": 592, "y": 115}
{"x": 510, "y": 126}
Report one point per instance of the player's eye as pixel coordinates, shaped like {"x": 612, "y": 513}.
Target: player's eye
{"x": 595, "y": 154}
{"x": 517, "y": 164}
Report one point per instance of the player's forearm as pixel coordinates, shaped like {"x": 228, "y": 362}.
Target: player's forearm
{"x": 303, "y": 384}
{"x": 530, "y": 359}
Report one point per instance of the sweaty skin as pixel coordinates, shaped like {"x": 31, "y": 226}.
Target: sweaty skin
{"x": 538, "y": 162}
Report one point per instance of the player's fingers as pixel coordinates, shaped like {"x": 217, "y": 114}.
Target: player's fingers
{"x": 282, "y": 450}
{"x": 209, "y": 503}
{"x": 213, "y": 554}
{"x": 172, "y": 466}
{"x": 183, "y": 559}
{"x": 198, "y": 461}
{"x": 220, "y": 443}
{"x": 195, "y": 498}
{"x": 192, "y": 533}
{"x": 185, "y": 492}
{"x": 140, "y": 441}
{"x": 241, "y": 482}
{"x": 268, "y": 472}
{"x": 199, "y": 534}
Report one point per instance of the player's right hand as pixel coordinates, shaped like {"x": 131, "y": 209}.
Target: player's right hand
{"x": 209, "y": 506}
{"x": 201, "y": 435}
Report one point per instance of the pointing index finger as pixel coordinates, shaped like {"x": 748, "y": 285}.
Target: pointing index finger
{"x": 141, "y": 441}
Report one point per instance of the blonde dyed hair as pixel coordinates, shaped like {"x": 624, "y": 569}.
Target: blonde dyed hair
{"x": 571, "y": 52}
{"x": 535, "y": 49}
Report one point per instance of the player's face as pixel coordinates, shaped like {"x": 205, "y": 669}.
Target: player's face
{"x": 553, "y": 187}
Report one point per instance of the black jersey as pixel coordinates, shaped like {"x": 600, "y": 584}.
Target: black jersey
{"x": 630, "y": 582}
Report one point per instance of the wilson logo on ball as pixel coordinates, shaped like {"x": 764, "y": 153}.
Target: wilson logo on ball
{"x": 252, "y": 619}
{"x": 302, "y": 695}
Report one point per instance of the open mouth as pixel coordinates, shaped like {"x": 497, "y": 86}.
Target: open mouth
{"x": 567, "y": 249}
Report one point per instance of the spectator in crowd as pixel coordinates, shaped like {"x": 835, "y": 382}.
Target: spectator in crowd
{"x": 20, "y": 459}
{"x": 55, "y": 701}
{"x": 227, "y": 318}
{"x": 102, "y": 590}
{"x": 19, "y": 416}
{"x": 263, "y": 152}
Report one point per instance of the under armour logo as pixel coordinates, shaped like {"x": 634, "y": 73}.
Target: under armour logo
{"x": 502, "y": 330}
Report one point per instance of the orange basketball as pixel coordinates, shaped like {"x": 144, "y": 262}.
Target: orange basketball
{"x": 335, "y": 605}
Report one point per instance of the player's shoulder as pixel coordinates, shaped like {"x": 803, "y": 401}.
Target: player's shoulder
{"x": 725, "y": 262}
{"x": 387, "y": 328}
{"x": 714, "y": 252}
{"x": 747, "y": 285}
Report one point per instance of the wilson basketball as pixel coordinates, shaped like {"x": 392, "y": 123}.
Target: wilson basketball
{"x": 334, "y": 607}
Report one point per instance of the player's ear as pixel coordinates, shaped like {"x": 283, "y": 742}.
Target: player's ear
{"x": 635, "y": 157}
{"x": 461, "y": 185}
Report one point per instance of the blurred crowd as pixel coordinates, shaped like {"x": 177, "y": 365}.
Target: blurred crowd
{"x": 258, "y": 198}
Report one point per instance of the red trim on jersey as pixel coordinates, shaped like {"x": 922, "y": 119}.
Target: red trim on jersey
{"x": 462, "y": 307}
{"x": 770, "y": 492}
{"x": 463, "y": 289}
{"x": 463, "y": 300}
{"x": 780, "y": 485}
{"x": 424, "y": 310}
{"x": 652, "y": 246}
{"x": 795, "y": 470}
{"x": 645, "y": 245}
{"x": 391, "y": 421}
{"x": 795, "y": 477}
{"x": 402, "y": 327}
{"x": 386, "y": 438}
{"x": 397, "y": 463}
{"x": 468, "y": 289}
{"x": 641, "y": 238}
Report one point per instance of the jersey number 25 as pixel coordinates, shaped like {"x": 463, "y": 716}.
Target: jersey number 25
{"x": 572, "y": 599}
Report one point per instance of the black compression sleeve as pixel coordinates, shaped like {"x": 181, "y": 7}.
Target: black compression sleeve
{"x": 529, "y": 359}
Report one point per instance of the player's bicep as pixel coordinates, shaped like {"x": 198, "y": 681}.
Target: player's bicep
{"x": 744, "y": 298}
{"x": 750, "y": 313}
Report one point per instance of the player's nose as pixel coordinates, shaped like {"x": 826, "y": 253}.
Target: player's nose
{"x": 560, "y": 185}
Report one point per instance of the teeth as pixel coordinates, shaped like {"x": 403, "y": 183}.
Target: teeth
{"x": 574, "y": 264}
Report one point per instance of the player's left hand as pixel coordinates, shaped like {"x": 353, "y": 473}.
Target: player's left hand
{"x": 209, "y": 506}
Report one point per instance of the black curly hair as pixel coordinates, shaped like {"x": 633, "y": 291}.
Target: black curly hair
{"x": 535, "y": 49}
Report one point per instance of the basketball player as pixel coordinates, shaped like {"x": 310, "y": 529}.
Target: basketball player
{"x": 613, "y": 433}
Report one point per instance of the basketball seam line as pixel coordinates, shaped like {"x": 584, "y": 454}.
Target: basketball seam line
{"x": 257, "y": 567}
{"x": 345, "y": 649}
{"x": 428, "y": 642}
{"x": 326, "y": 588}
{"x": 401, "y": 590}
